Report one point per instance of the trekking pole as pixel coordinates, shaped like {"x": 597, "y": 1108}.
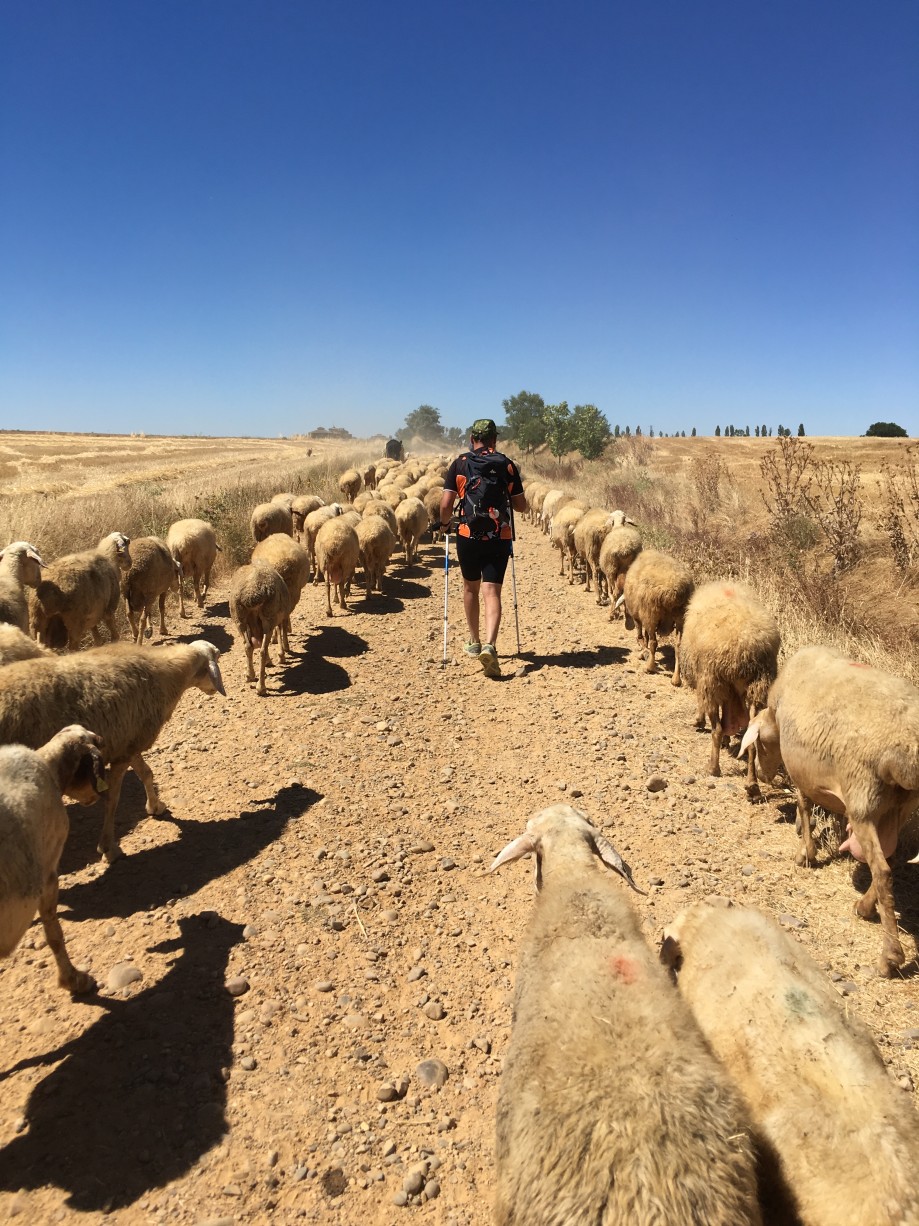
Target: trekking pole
{"x": 446, "y": 575}
{"x": 514, "y": 581}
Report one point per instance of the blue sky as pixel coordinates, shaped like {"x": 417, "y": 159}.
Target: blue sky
{"x": 257, "y": 218}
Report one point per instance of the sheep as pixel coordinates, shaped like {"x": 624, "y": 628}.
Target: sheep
{"x": 311, "y": 526}
{"x": 412, "y": 520}
{"x": 125, "y": 693}
{"x": 562, "y": 536}
{"x": 431, "y": 502}
{"x": 845, "y": 1137}
{"x": 14, "y": 645}
{"x": 611, "y": 1108}
{"x": 365, "y": 496}
{"x": 269, "y": 517}
{"x": 376, "y": 542}
{"x": 385, "y": 511}
{"x": 284, "y": 499}
{"x": 292, "y": 562}
{"x": 369, "y": 476}
{"x": 849, "y": 737}
{"x": 620, "y": 548}
{"x": 193, "y": 544}
{"x": 589, "y": 535}
{"x": 20, "y": 567}
{"x": 553, "y": 501}
{"x": 729, "y": 654}
{"x": 153, "y": 573}
{"x": 259, "y": 604}
{"x": 535, "y": 492}
{"x": 349, "y": 483}
{"x": 33, "y": 830}
{"x": 656, "y": 592}
{"x": 390, "y": 495}
{"x": 301, "y": 507}
{"x": 337, "y": 555}
{"x": 78, "y": 591}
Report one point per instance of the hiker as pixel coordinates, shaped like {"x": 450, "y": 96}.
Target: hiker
{"x": 485, "y": 485}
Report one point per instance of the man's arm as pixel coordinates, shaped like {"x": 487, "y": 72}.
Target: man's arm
{"x": 446, "y": 507}
{"x": 519, "y": 502}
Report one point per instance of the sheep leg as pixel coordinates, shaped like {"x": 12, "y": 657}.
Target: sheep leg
{"x": 342, "y": 599}
{"x": 263, "y": 660}
{"x": 714, "y": 715}
{"x": 285, "y": 630}
{"x": 808, "y": 851}
{"x": 651, "y": 639}
{"x": 77, "y": 982}
{"x": 154, "y": 806}
{"x": 676, "y": 679}
{"x": 73, "y": 640}
{"x": 163, "y": 629}
{"x": 879, "y": 896}
{"x": 250, "y": 671}
{"x": 561, "y": 559}
{"x": 112, "y": 627}
{"x": 328, "y": 597}
{"x": 182, "y": 612}
{"x": 108, "y": 844}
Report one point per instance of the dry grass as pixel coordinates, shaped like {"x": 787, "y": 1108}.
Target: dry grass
{"x": 813, "y": 538}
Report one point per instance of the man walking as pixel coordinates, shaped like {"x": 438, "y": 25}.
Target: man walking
{"x": 486, "y": 485}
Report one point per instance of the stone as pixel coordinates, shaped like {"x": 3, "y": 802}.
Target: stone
{"x": 434, "y": 1010}
{"x": 238, "y": 985}
{"x": 432, "y": 1073}
{"x": 122, "y": 975}
{"x": 655, "y": 783}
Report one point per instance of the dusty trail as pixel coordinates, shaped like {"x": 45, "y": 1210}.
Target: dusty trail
{"x": 323, "y": 857}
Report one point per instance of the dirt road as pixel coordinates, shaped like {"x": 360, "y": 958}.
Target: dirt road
{"x": 306, "y": 940}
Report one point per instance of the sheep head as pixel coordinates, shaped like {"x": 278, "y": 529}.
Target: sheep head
{"x": 208, "y": 677}
{"x": 567, "y": 828}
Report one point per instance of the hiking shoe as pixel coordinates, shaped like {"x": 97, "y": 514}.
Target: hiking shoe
{"x": 472, "y": 649}
{"x": 488, "y": 658}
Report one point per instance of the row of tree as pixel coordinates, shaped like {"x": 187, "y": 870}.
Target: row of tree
{"x": 531, "y": 423}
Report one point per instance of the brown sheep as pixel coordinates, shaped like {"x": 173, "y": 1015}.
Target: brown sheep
{"x": 193, "y": 544}
{"x": 376, "y": 543}
{"x": 656, "y": 592}
{"x": 350, "y": 483}
{"x": 412, "y": 521}
{"x": 337, "y": 555}
{"x": 20, "y": 567}
{"x": 292, "y": 562}
{"x": 620, "y": 548}
{"x": 79, "y": 591}
{"x": 269, "y": 517}
{"x": 259, "y": 604}
{"x": 153, "y": 573}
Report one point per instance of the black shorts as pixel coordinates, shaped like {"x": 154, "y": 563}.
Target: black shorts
{"x": 483, "y": 559}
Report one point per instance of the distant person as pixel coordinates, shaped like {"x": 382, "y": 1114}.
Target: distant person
{"x": 487, "y": 488}
{"x": 395, "y": 450}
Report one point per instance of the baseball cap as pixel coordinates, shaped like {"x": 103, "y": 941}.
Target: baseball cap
{"x": 484, "y": 428}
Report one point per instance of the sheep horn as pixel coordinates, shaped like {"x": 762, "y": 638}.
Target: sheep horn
{"x": 213, "y": 669}
{"x": 611, "y": 857}
{"x": 523, "y": 846}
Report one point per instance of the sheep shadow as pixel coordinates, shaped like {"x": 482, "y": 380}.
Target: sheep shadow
{"x": 381, "y": 602}
{"x": 220, "y": 608}
{"x": 216, "y": 635}
{"x": 585, "y": 657}
{"x": 86, "y": 824}
{"x": 405, "y": 589}
{"x": 205, "y": 851}
{"x": 139, "y": 1096}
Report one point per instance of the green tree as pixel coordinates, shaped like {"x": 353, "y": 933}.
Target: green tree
{"x": 693, "y": 435}
{"x": 454, "y": 436}
{"x": 524, "y": 418}
{"x": 801, "y": 430}
{"x": 590, "y": 430}
{"x": 616, "y": 432}
{"x": 885, "y": 429}
{"x": 762, "y": 431}
{"x": 557, "y": 419}
{"x": 423, "y": 423}
{"x": 628, "y": 431}
{"x": 717, "y": 432}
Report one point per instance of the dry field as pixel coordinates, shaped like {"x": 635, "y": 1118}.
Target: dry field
{"x": 309, "y": 924}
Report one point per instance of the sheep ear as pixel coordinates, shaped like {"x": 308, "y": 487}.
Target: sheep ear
{"x": 671, "y": 954}
{"x": 612, "y": 859}
{"x": 630, "y": 521}
{"x": 620, "y": 601}
{"x": 525, "y": 845}
{"x": 33, "y": 556}
{"x": 915, "y": 859}
{"x": 213, "y": 670}
{"x": 750, "y": 736}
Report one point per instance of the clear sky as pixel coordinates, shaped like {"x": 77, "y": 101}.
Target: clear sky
{"x": 258, "y": 217}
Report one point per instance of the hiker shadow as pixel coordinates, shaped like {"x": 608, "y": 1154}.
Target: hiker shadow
{"x": 136, "y": 1098}
{"x": 204, "y": 851}
{"x": 596, "y": 657}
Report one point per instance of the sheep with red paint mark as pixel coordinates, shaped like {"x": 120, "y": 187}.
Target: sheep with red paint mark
{"x": 849, "y": 737}
{"x": 611, "y": 1107}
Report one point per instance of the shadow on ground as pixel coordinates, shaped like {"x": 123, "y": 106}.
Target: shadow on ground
{"x": 204, "y": 851}
{"x": 139, "y": 1096}
{"x": 585, "y": 657}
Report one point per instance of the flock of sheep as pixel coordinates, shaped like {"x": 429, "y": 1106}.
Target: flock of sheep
{"x": 729, "y": 1099}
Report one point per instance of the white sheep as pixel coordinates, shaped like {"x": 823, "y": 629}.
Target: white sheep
{"x": 33, "y": 830}
{"x": 259, "y": 604}
{"x": 337, "y": 555}
{"x": 611, "y": 1108}
{"x": 78, "y": 591}
{"x": 292, "y": 562}
{"x": 20, "y": 567}
{"x": 300, "y": 508}
{"x": 561, "y": 534}
{"x": 412, "y": 521}
{"x": 845, "y": 1137}
{"x": 270, "y": 517}
{"x": 350, "y": 483}
{"x": 123, "y": 692}
{"x": 656, "y": 592}
{"x": 369, "y": 476}
{"x": 153, "y": 573}
{"x": 589, "y": 534}
{"x": 377, "y": 507}
{"x": 376, "y": 542}
{"x": 14, "y": 645}
{"x": 620, "y": 548}
{"x": 729, "y": 654}
{"x": 553, "y": 501}
{"x": 312, "y": 524}
{"x": 193, "y": 544}
{"x": 849, "y": 737}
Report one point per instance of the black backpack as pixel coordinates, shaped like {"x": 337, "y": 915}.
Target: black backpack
{"x": 485, "y": 504}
